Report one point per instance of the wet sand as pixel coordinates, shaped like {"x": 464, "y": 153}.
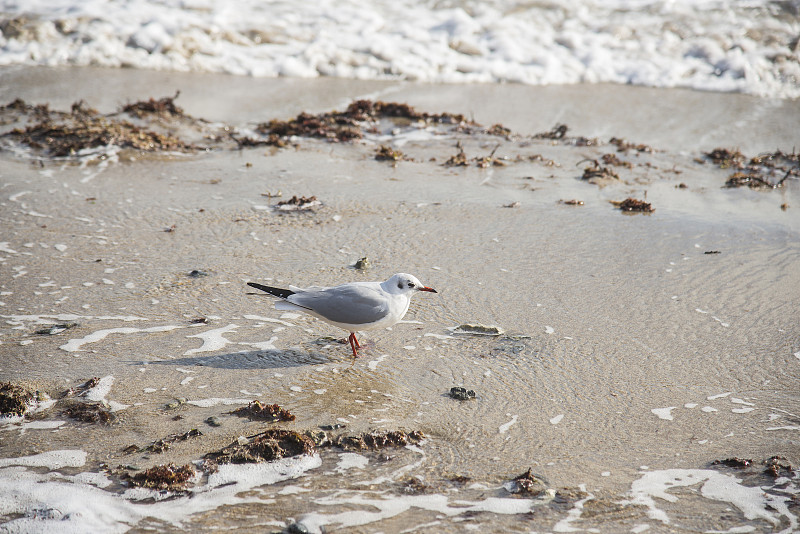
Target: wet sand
{"x": 639, "y": 348}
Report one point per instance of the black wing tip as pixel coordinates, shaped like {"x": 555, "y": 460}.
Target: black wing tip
{"x": 274, "y": 291}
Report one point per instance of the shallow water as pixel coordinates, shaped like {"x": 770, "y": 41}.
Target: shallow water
{"x": 632, "y": 359}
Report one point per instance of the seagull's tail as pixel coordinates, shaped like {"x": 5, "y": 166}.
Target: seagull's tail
{"x": 274, "y": 291}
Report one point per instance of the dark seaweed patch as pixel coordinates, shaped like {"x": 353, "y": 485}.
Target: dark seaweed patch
{"x": 267, "y": 446}
{"x": 167, "y": 477}
{"x": 265, "y": 412}
{"x": 633, "y": 205}
{"x": 14, "y": 399}
{"x": 89, "y": 412}
{"x": 378, "y": 440}
{"x": 164, "y": 444}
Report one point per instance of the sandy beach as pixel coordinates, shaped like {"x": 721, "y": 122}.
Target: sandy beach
{"x": 634, "y": 350}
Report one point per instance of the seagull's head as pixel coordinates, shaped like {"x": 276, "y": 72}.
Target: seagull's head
{"x": 403, "y": 283}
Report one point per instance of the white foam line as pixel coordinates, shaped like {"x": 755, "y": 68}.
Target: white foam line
{"x": 373, "y": 364}
{"x": 4, "y": 248}
{"x": 78, "y": 506}
{"x": 373, "y": 509}
{"x": 664, "y": 413}
{"x": 212, "y": 339}
{"x": 753, "y": 502}
{"x": 504, "y": 427}
{"x": 207, "y": 403}
{"x": 74, "y": 345}
{"x": 573, "y": 515}
{"x": 267, "y": 320}
{"x": 718, "y": 396}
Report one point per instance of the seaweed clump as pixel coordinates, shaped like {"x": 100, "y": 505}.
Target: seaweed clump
{"x": 633, "y": 205}
{"x": 623, "y": 145}
{"x": 163, "y": 106}
{"x": 765, "y": 171}
{"x": 14, "y": 399}
{"x": 379, "y": 440}
{"x": 167, "y": 477}
{"x": 61, "y": 134}
{"x": 599, "y": 175}
{"x": 164, "y": 444}
{"x": 265, "y": 412}
{"x": 387, "y": 153}
{"x": 348, "y": 125}
{"x": 267, "y": 446}
{"x": 89, "y": 412}
{"x": 527, "y": 483}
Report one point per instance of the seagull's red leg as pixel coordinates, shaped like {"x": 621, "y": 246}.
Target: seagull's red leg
{"x": 353, "y": 344}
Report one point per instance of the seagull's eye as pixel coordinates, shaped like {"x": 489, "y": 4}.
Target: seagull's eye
{"x": 411, "y": 284}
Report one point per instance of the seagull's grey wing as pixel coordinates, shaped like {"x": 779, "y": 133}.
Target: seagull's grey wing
{"x": 348, "y": 304}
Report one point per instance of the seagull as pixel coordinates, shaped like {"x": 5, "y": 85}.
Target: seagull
{"x": 354, "y": 306}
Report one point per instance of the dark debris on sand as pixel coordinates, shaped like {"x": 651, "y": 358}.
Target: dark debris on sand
{"x": 528, "y": 483}
{"x": 62, "y": 134}
{"x": 14, "y": 399}
{"x": 599, "y": 175}
{"x": 264, "y": 412}
{"x": 632, "y": 205}
{"x": 461, "y": 394}
{"x": 378, "y": 440}
{"x": 167, "y": 477}
{"x": 765, "y": 171}
{"x": 267, "y": 446}
{"x": 755, "y": 472}
{"x": 349, "y": 125}
{"x": 559, "y": 133}
{"x": 163, "y": 106}
{"x": 88, "y": 412}
{"x": 164, "y": 444}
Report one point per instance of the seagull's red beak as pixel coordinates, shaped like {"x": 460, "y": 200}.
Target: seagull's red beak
{"x": 426, "y": 288}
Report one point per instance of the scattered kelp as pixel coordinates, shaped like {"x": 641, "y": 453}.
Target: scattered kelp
{"x": 571, "y": 202}
{"x": 726, "y": 158}
{"x": 624, "y": 146}
{"x": 733, "y": 462}
{"x": 362, "y": 264}
{"x": 349, "y": 125}
{"x": 14, "y": 399}
{"x": 778, "y": 466}
{"x": 54, "y": 329}
{"x": 387, "y": 153}
{"x": 559, "y": 133}
{"x": 765, "y": 171}
{"x": 758, "y": 472}
{"x": 478, "y": 330}
{"x": 88, "y": 412}
{"x": 164, "y": 444}
{"x": 633, "y": 205}
{"x": 267, "y": 446}
{"x": 298, "y": 204}
{"x": 612, "y": 159}
{"x": 164, "y": 107}
{"x": 264, "y": 412}
{"x": 461, "y": 394}
{"x": 598, "y": 175}
{"x": 460, "y": 159}
{"x": 526, "y": 483}
{"x": 168, "y": 477}
{"x": 378, "y": 440}
{"x": 61, "y": 134}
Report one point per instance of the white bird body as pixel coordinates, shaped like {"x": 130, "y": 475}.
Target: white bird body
{"x": 354, "y": 306}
